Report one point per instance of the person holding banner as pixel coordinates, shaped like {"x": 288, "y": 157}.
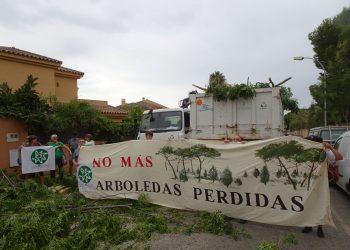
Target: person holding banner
{"x": 75, "y": 155}
{"x": 59, "y": 161}
{"x": 88, "y": 140}
{"x": 332, "y": 156}
{"x": 73, "y": 144}
{"x": 149, "y": 135}
{"x": 32, "y": 141}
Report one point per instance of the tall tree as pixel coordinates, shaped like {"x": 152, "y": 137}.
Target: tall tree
{"x": 217, "y": 78}
{"x": 288, "y": 102}
{"x": 331, "y": 43}
{"x": 24, "y": 104}
{"x": 6, "y": 101}
{"x": 83, "y": 118}
{"x": 298, "y": 120}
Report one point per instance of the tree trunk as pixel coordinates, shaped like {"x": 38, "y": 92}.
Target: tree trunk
{"x": 310, "y": 174}
{"x": 200, "y": 169}
{"x": 288, "y": 175}
{"x": 177, "y": 166}
{"x": 172, "y": 168}
{"x": 183, "y": 165}
{"x": 302, "y": 183}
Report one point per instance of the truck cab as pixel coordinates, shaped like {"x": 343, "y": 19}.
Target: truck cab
{"x": 165, "y": 124}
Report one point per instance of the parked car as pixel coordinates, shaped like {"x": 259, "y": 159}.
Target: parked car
{"x": 329, "y": 134}
{"x": 343, "y": 147}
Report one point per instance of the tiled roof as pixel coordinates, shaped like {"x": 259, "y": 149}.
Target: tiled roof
{"x": 19, "y": 52}
{"x": 70, "y": 71}
{"x": 144, "y": 104}
{"x": 108, "y": 109}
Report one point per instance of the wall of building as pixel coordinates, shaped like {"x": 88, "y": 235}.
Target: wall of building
{"x": 66, "y": 88}
{"x": 10, "y": 126}
{"x": 16, "y": 73}
{"x": 117, "y": 119}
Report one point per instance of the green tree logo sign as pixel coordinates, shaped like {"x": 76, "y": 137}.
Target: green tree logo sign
{"x": 85, "y": 174}
{"x": 39, "y": 156}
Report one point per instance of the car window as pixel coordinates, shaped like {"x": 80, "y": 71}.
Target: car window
{"x": 336, "y": 145}
{"x": 325, "y": 135}
{"x": 344, "y": 148}
{"x": 337, "y": 132}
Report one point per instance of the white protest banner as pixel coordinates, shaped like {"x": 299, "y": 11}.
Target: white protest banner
{"x": 280, "y": 181}
{"x": 37, "y": 159}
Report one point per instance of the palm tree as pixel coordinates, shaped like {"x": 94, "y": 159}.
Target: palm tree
{"x": 217, "y": 78}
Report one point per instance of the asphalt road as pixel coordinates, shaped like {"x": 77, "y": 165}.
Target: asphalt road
{"x": 335, "y": 238}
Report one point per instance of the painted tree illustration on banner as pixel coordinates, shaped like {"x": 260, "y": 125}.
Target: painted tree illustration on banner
{"x": 264, "y": 175}
{"x": 256, "y": 173}
{"x": 312, "y": 158}
{"x": 198, "y": 152}
{"x": 168, "y": 153}
{"x": 295, "y": 154}
{"x": 183, "y": 154}
{"x": 183, "y": 175}
{"x": 226, "y": 177}
{"x": 213, "y": 174}
{"x": 238, "y": 181}
{"x": 201, "y": 153}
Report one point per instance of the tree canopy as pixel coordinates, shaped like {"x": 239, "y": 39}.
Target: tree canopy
{"x": 24, "y": 104}
{"x": 81, "y": 117}
{"x": 331, "y": 43}
{"x": 217, "y": 78}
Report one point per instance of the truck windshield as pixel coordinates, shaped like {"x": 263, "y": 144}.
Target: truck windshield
{"x": 161, "y": 121}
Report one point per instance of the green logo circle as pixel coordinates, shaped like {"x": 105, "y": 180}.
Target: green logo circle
{"x": 85, "y": 174}
{"x": 39, "y": 156}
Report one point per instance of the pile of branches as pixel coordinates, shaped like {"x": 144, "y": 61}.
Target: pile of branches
{"x": 33, "y": 217}
{"x": 224, "y": 92}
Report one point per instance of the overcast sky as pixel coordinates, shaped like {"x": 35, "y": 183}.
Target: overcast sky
{"x": 157, "y": 48}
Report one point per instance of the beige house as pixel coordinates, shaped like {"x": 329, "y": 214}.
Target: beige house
{"x": 114, "y": 113}
{"x": 12, "y": 135}
{"x": 144, "y": 104}
{"x": 16, "y": 65}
